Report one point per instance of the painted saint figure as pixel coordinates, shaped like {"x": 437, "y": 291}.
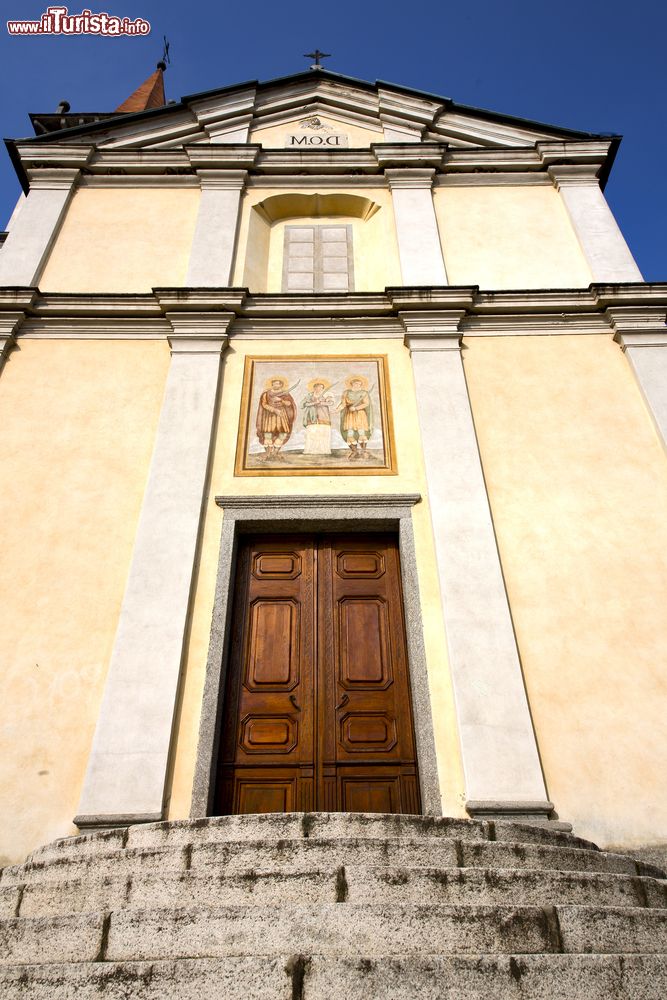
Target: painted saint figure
{"x": 317, "y": 418}
{"x": 356, "y": 419}
{"x": 276, "y": 414}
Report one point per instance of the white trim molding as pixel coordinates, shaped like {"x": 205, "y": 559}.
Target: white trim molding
{"x": 503, "y": 775}
{"x": 602, "y": 242}
{"x": 642, "y": 334}
{"x": 127, "y": 770}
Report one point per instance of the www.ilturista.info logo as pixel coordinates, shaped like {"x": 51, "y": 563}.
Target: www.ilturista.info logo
{"x": 58, "y": 21}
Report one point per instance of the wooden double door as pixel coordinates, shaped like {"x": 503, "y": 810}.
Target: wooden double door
{"x": 317, "y": 710}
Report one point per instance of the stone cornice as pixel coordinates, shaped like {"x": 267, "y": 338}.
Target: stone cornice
{"x": 48, "y": 327}
{"x": 200, "y": 300}
{"x": 52, "y": 178}
{"x": 630, "y": 293}
{"x": 630, "y": 310}
{"x": 54, "y": 155}
{"x": 243, "y": 503}
{"x": 573, "y": 174}
{"x": 401, "y": 177}
{"x": 536, "y": 324}
{"x": 594, "y": 151}
{"x": 316, "y": 161}
{"x": 295, "y": 327}
{"x": 222, "y": 180}
{"x": 314, "y": 182}
{"x": 497, "y": 178}
{"x": 199, "y": 333}
{"x": 432, "y": 330}
{"x": 18, "y": 298}
{"x": 14, "y": 303}
{"x": 635, "y": 326}
{"x": 653, "y": 339}
{"x": 222, "y": 156}
{"x": 409, "y": 154}
{"x": 9, "y": 324}
{"x": 448, "y": 298}
{"x": 358, "y": 304}
{"x": 564, "y": 162}
{"x": 134, "y": 162}
{"x": 173, "y": 180}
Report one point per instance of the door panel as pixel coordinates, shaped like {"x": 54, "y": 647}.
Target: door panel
{"x": 262, "y": 795}
{"x": 317, "y": 705}
{"x": 269, "y": 707}
{"x": 364, "y": 795}
{"x": 274, "y": 645}
{"x": 362, "y": 642}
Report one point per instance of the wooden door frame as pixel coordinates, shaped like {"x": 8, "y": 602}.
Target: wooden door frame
{"x": 314, "y": 514}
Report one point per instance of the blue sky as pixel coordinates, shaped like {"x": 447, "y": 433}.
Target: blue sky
{"x": 591, "y": 65}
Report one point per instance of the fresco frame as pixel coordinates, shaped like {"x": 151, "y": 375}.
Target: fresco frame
{"x": 345, "y": 467}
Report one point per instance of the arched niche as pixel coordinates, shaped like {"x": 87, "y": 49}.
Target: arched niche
{"x": 270, "y": 213}
{"x": 297, "y": 205}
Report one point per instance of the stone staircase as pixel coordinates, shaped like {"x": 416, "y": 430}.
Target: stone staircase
{"x": 319, "y": 906}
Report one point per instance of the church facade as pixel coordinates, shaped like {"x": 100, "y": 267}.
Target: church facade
{"x": 334, "y": 469}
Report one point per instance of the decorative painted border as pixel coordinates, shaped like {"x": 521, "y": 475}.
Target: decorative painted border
{"x": 388, "y": 469}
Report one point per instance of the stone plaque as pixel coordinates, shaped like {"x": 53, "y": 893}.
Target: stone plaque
{"x": 314, "y": 133}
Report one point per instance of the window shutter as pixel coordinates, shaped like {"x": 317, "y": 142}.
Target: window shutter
{"x": 318, "y": 259}
{"x": 299, "y": 259}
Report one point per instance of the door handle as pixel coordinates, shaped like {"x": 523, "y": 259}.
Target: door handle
{"x": 292, "y": 698}
{"x": 342, "y": 703}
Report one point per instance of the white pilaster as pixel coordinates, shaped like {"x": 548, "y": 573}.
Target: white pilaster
{"x": 127, "y": 769}
{"x": 500, "y": 757}
{"x": 642, "y": 335}
{"x": 212, "y": 253}
{"x": 602, "y": 242}
{"x": 419, "y": 246}
{"x": 35, "y": 227}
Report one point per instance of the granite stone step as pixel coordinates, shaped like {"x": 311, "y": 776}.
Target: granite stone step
{"x": 113, "y": 863}
{"x": 325, "y": 977}
{"x": 373, "y": 930}
{"x": 295, "y": 826}
{"x": 500, "y": 977}
{"x": 319, "y": 906}
{"x": 353, "y": 884}
{"x": 314, "y": 855}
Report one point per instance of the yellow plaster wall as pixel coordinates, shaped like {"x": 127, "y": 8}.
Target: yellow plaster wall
{"x": 509, "y": 237}
{"x": 120, "y": 240}
{"x": 410, "y": 479}
{"x": 577, "y": 480}
{"x": 375, "y": 249}
{"x": 79, "y": 421}
{"x": 257, "y": 240}
{"x": 273, "y": 136}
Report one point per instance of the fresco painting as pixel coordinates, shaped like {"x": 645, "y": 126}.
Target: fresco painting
{"x": 314, "y": 416}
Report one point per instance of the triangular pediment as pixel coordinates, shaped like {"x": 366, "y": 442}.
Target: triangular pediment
{"x": 308, "y": 104}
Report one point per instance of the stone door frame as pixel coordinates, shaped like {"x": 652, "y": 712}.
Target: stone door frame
{"x": 292, "y": 514}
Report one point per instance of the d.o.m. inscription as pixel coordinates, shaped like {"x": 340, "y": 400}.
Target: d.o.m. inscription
{"x": 315, "y": 132}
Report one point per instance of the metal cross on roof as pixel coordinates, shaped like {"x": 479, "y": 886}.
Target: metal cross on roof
{"x": 316, "y": 55}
